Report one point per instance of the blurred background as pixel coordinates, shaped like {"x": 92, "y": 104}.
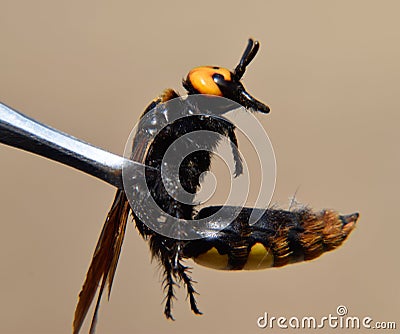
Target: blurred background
{"x": 330, "y": 72}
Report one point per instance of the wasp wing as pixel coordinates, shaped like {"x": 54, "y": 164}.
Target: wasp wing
{"x": 104, "y": 261}
{"x": 105, "y": 258}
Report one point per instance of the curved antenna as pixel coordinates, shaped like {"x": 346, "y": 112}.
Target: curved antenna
{"x": 248, "y": 55}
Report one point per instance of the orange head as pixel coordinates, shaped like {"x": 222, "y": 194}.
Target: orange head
{"x": 219, "y": 81}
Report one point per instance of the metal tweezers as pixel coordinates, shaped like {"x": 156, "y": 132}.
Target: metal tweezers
{"x": 21, "y": 131}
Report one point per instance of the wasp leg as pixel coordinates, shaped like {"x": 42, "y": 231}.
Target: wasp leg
{"x": 187, "y": 280}
{"x": 162, "y": 250}
{"x": 235, "y": 151}
{"x": 168, "y": 283}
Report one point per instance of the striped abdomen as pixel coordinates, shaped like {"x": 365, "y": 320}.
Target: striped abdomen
{"x": 278, "y": 238}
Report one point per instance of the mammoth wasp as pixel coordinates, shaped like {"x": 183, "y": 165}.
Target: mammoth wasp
{"x": 278, "y": 238}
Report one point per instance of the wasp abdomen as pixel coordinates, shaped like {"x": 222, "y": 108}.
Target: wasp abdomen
{"x": 278, "y": 238}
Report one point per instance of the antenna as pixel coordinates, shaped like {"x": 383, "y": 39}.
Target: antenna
{"x": 248, "y": 55}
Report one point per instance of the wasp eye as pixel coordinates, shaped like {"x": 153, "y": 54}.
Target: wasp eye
{"x": 218, "y": 77}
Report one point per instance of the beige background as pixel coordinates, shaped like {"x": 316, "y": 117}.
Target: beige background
{"x": 330, "y": 72}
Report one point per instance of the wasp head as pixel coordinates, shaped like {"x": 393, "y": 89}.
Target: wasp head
{"x": 219, "y": 81}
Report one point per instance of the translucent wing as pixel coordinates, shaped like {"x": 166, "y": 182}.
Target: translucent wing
{"x": 105, "y": 260}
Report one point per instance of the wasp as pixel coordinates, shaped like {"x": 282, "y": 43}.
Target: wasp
{"x": 278, "y": 238}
